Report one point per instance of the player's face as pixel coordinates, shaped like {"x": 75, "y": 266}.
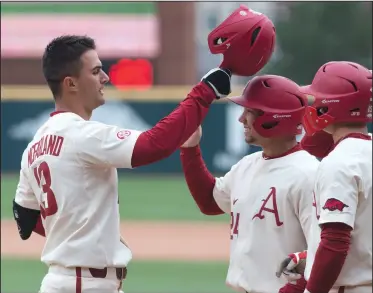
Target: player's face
{"x": 91, "y": 81}
{"x": 247, "y": 118}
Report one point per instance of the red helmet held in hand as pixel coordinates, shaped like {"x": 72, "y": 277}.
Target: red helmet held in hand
{"x": 246, "y": 39}
{"x": 341, "y": 91}
{"x": 280, "y": 102}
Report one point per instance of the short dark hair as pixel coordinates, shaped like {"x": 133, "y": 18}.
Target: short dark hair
{"x": 61, "y": 58}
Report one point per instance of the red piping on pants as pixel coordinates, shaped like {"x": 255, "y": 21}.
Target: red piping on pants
{"x": 78, "y": 287}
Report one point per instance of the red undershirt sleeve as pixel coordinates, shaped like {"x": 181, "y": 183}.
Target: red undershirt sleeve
{"x": 330, "y": 257}
{"x": 39, "y": 228}
{"x": 199, "y": 180}
{"x": 173, "y": 130}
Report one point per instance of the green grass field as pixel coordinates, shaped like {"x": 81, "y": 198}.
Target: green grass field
{"x": 161, "y": 198}
{"x": 141, "y": 198}
{"x": 144, "y": 277}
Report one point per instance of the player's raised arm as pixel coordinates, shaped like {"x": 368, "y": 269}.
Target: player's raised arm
{"x": 212, "y": 195}
{"x": 108, "y": 145}
{"x": 169, "y": 133}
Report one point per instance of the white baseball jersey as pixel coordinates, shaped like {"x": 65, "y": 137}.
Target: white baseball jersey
{"x": 343, "y": 194}
{"x": 270, "y": 203}
{"x": 68, "y": 171}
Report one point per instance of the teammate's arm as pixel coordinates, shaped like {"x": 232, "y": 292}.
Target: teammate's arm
{"x": 338, "y": 198}
{"x": 212, "y": 195}
{"x": 111, "y": 146}
{"x": 26, "y": 210}
{"x": 201, "y": 182}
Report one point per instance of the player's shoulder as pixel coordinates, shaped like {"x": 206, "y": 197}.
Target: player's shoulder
{"x": 60, "y": 123}
{"x": 300, "y": 168}
{"x": 348, "y": 154}
{"x": 246, "y": 162}
{"x": 250, "y": 159}
{"x": 353, "y": 145}
{"x": 304, "y": 161}
{"x": 81, "y": 130}
{"x": 295, "y": 162}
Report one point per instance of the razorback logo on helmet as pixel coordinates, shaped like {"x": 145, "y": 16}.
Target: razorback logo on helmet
{"x": 123, "y": 134}
{"x": 333, "y": 204}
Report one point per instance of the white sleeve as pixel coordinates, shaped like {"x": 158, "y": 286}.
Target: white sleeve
{"x": 338, "y": 192}
{"x": 25, "y": 197}
{"x": 222, "y": 190}
{"x": 106, "y": 145}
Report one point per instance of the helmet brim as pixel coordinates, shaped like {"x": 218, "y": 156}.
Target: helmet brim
{"x": 239, "y": 100}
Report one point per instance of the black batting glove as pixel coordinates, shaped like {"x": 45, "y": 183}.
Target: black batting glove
{"x": 219, "y": 80}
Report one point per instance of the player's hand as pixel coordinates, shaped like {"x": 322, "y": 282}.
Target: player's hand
{"x": 219, "y": 80}
{"x": 292, "y": 267}
{"x": 194, "y": 139}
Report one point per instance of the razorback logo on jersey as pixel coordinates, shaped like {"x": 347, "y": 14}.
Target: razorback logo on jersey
{"x": 333, "y": 204}
{"x": 123, "y": 134}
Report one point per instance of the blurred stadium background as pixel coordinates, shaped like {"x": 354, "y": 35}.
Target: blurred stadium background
{"x": 157, "y": 50}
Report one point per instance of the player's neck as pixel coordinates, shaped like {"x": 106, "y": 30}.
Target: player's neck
{"x": 276, "y": 148}
{"x": 341, "y": 132}
{"x": 80, "y": 111}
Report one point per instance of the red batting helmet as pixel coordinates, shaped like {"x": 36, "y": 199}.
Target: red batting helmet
{"x": 280, "y": 102}
{"x": 340, "y": 92}
{"x": 246, "y": 39}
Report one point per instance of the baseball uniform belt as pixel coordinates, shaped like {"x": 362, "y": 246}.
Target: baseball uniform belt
{"x": 121, "y": 273}
{"x": 110, "y": 273}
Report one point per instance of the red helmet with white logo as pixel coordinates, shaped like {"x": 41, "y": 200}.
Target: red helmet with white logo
{"x": 341, "y": 91}
{"x": 246, "y": 39}
{"x": 280, "y": 102}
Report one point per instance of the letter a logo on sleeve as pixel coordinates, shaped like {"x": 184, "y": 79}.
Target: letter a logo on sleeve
{"x": 123, "y": 134}
{"x": 333, "y": 204}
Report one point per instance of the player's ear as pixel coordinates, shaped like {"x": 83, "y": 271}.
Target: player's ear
{"x": 70, "y": 83}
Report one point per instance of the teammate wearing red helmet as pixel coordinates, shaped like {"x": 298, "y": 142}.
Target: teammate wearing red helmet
{"x": 339, "y": 256}
{"x": 267, "y": 193}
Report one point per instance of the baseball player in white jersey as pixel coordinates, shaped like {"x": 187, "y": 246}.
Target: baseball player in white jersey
{"x": 339, "y": 255}
{"x": 68, "y": 186}
{"x": 268, "y": 194}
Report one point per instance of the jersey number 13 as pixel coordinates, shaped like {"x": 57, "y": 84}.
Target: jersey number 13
{"x": 42, "y": 175}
